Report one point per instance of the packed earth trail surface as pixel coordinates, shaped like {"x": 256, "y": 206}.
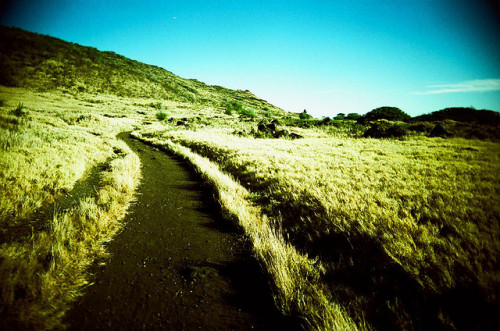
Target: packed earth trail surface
{"x": 177, "y": 264}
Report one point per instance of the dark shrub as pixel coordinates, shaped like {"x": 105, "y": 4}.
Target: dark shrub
{"x": 271, "y": 126}
{"x": 304, "y": 116}
{"x": 262, "y": 127}
{"x": 419, "y": 127}
{"x": 438, "y": 131}
{"x": 294, "y": 135}
{"x": 387, "y": 113}
{"x": 375, "y": 131}
{"x": 353, "y": 116}
{"x": 395, "y": 131}
{"x": 385, "y": 130}
{"x": 281, "y": 134}
{"x": 325, "y": 121}
{"x": 478, "y": 132}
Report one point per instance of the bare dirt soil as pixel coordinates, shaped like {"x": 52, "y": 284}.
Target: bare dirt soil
{"x": 177, "y": 264}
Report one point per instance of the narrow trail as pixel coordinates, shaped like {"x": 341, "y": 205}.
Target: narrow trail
{"x": 177, "y": 264}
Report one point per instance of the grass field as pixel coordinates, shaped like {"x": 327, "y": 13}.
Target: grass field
{"x": 355, "y": 233}
{"x": 404, "y": 232}
{"x": 50, "y": 233}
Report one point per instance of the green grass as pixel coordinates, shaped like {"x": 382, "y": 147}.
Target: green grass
{"x": 19, "y": 110}
{"x": 161, "y": 116}
{"x": 247, "y": 112}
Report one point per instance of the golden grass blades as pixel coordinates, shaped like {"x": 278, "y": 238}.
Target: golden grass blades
{"x": 50, "y": 233}
{"x": 294, "y": 275}
{"x": 405, "y": 229}
{"x": 42, "y": 276}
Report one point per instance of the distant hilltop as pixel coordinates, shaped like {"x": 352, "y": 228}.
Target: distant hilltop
{"x": 462, "y": 114}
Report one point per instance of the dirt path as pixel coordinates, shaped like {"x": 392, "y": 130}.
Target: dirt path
{"x": 177, "y": 264}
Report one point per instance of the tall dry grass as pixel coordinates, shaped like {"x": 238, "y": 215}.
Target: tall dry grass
{"x": 46, "y": 247}
{"x": 295, "y": 276}
{"x": 407, "y": 230}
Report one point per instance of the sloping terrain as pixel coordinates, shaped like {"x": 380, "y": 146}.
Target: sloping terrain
{"x": 45, "y": 63}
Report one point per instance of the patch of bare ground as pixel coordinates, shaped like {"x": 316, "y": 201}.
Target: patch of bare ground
{"x": 177, "y": 264}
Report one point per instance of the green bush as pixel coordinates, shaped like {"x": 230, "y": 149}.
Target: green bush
{"x": 304, "y": 116}
{"x": 387, "y": 113}
{"x": 233, "y": 106}
{"x": 161, "y": 116}
{"x": 353, "y": 116}
{"x": 248, "y": 112}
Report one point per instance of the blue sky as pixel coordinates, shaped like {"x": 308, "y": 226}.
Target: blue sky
{"x": 324, "y": 56}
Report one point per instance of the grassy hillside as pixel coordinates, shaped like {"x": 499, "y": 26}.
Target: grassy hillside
{"x": 45, "y": 63}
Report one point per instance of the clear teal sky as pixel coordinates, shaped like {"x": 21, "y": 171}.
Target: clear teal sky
{"x": 323, "y": 56}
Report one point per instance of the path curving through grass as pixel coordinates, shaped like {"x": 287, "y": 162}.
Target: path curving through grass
{"x": 177, "y": 264}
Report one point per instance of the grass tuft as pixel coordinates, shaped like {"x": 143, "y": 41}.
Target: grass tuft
{"x": 19, "y": 110}
{"x": 161, "y": 116}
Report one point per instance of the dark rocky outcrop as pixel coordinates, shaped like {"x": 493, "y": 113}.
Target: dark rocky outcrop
{"x": 271, "y": 130}
{"x": 294, "y": 135}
